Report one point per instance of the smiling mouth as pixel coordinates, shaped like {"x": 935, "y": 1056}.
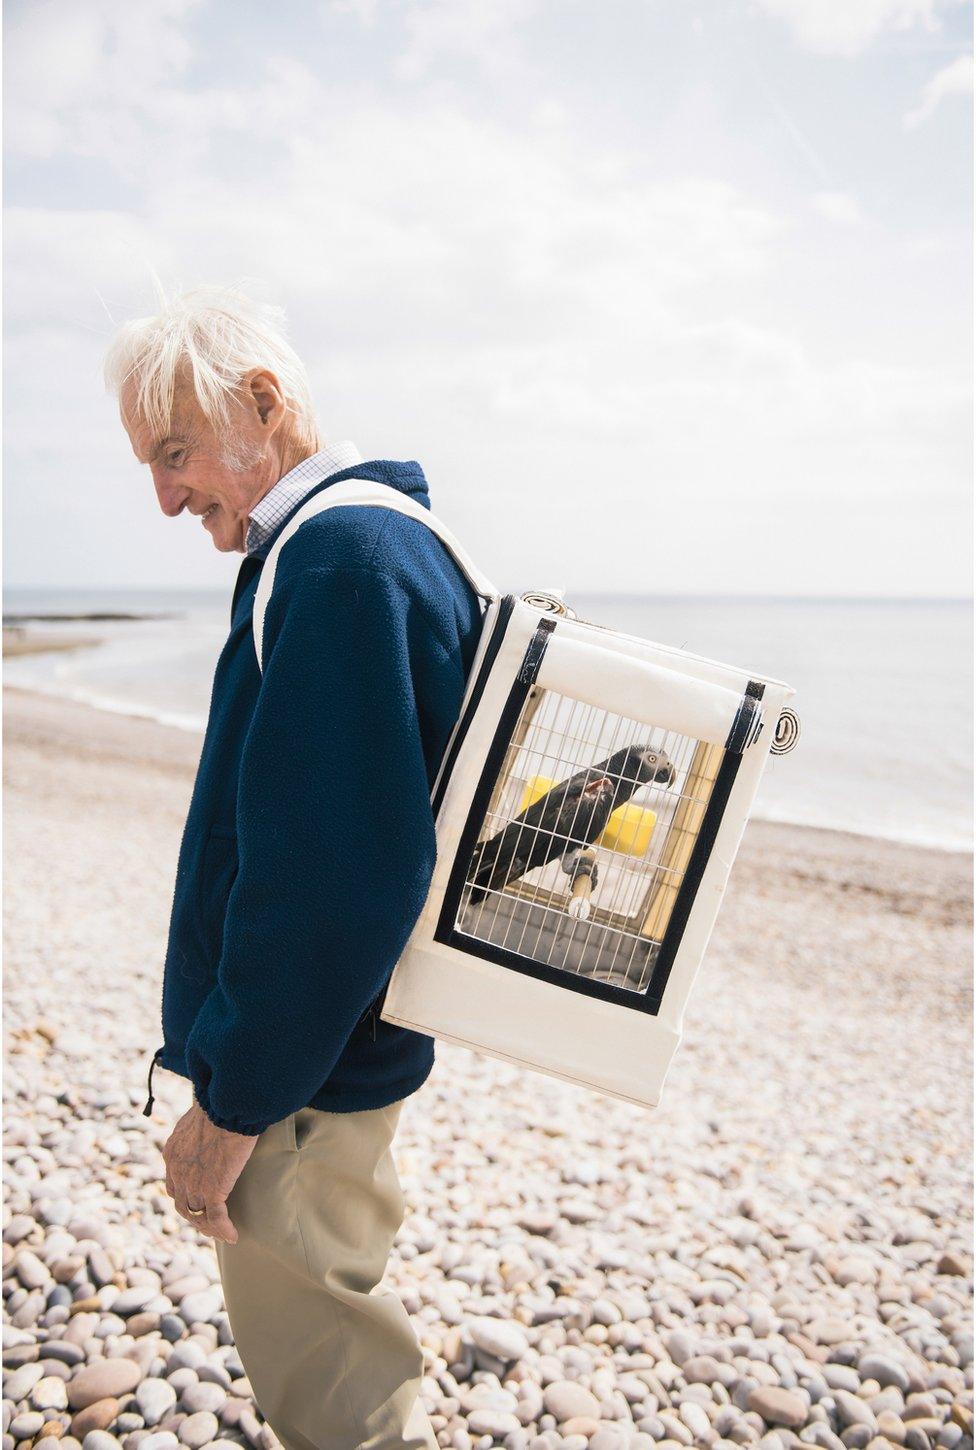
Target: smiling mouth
{"x": 207, "y": 513}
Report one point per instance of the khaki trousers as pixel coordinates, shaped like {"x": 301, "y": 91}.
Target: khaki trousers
{"x": 332, "y": 1357}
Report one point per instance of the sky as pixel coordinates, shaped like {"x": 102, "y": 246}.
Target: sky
{"x": 664, "y": 297}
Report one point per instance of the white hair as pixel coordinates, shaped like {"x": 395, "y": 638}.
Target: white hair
{"x": 210, "y": 337}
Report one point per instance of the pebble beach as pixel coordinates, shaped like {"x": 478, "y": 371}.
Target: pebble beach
{"x": 779, "y": 1255}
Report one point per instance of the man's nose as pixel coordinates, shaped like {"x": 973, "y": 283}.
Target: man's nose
{"x": 172, "y": 497}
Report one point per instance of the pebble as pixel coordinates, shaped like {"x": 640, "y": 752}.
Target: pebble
{"x": 696, "y": 1419}
{"x": 200, "y": 1307}
{"x": 493, "y": 1422}
{"x": 130, "y": 1301}
{"x": 884, "y": 1369}
{"x": 676, "y": 1429}
{"x": 609, "y": 1437}
{"x": 203, "y": 1396}
{"x": 198, "y": 1430}
{"x": 854, "y": 1411}
{"x": 953, "y": 1264}
{"x": 841, "y": 1377}
{"x": 155, "y": 1399}
{"x": 567, "y": 1400}
{"x": 580, "y": 1425}
{"x": 829, "y": 1331}
{"x": 892, "y": 1427}
{"x": 854, "y": 1270}
{"x": 31, "y": 1272}
{"x": 702, "y": 1369}
{"x": 680, "y": 1346}
{"x": 507, "y": 1341}
{"x": 26, "y": 1425}
{"x": 103, "y": 1378}
{"x": 97, "y": 1416}
{"x": 778, "y": 1406}
{"x": 49, "y": 1393}
{"x": 17, "y": 1386}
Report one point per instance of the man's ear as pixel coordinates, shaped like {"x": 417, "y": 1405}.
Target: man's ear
{"x": 266, "y": 395}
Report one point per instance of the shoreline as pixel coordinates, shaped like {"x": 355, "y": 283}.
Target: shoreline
{"x": 19, "y": 641}
{"x": 123, "y": 710}
{"x": 776, "y": 859}
{"x": 21, "y": 620}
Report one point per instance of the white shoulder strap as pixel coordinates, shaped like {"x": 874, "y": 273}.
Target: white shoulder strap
{"x": 359, "y": 491}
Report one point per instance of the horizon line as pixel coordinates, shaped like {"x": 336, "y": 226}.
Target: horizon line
{"x": 220, "y": 589}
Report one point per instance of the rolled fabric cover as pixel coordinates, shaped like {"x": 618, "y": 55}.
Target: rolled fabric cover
{"x": 650, "y": 693}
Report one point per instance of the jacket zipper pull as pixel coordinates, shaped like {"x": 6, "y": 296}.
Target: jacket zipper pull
{"x": 147, "y": 1110}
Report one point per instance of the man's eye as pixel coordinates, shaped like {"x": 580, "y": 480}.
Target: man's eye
{"x": 175, "y": 458}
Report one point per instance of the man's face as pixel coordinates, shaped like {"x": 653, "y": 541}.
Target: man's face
{"x": 189, "y": 472}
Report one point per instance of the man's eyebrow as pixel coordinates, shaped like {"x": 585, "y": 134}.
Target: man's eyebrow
{"x": 157, "y": 448}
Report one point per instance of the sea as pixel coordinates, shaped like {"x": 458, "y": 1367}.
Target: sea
{"x": 884, "y": 687}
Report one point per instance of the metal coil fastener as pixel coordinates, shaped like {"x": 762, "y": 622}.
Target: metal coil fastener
{"x": 787, "y": 732}
{"x": 550, "y": 600}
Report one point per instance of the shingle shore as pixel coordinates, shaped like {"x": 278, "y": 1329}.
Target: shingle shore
{"x": 779, "y": 1254}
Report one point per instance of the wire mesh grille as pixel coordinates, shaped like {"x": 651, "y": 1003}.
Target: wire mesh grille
{"x": 584, "y": 845}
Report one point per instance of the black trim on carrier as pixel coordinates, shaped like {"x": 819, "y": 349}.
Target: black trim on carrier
{"x": 650, "y": 999}
{"x": 748, "y": 721}
{"x": 695, "y": 870}
{"x": 507, "y": 720}
{"x": 505, "y": 607}
{"x": 491, "y": 651}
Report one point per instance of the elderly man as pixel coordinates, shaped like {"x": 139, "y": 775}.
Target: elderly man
{"x": 305, "y": 861}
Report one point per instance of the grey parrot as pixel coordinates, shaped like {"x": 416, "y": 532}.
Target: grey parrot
{"x": 570, "y": 815}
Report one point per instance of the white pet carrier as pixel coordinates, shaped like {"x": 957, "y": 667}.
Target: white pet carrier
{"x": 588, "y": 808}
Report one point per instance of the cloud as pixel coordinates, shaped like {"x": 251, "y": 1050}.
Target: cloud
{"x": 837, "y": 206}
{"x": 363, "y": 10}
{"x": 484, "y": 31}
{"x": 103, "y": 57}
{"x": 847, "y": 27}
{"x": 511, "y": 251}
{"x": 955, "y": 79}
{"x": 65, "y": 267}
{"x": 546, "y": 299}
{"x": 433, "y": 261}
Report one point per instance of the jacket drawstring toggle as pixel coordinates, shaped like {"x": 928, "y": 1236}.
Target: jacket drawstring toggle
{"x": 147, "y": 1110}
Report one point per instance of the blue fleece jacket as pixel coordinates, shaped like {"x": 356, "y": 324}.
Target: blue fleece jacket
{"x": 309, "y": 844}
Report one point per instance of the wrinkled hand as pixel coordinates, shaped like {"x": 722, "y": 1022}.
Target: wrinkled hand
{"x": 203, "y": 1162}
